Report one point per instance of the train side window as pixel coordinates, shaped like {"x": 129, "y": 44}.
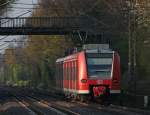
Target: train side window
{"x": 63, "y": 71}
{"x": 61, "y": 74}
{"x": 74, "y": 70}
{"x": 58, "y": 70}
{"x": 71, "y": 70}
{"x": 56, "y": 74}
{"x": 67, "y": 71}
{"x": 75, "y": 73}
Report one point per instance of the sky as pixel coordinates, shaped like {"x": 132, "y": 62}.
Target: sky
{"x": 16, "y": 10}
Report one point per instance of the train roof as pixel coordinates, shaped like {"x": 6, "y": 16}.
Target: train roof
{"x": 99, "y": 51}
{"x": 95, "y": 46}
{"x": 74, "y": 56}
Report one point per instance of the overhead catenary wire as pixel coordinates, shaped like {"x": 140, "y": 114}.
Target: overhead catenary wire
{"x": 27, "y": 4}
{"x": 90, "y": 9}
{"x": 3, "y": 38}
{"x": 3, "y": 44}
{"x": 8, "y": 21}
{"x": 17, "y": 16}
{"x": 40, "y": 8}
{"x": 6, "y": 3}
{"x": 3, "y": 48}
{"x": 7, "y": 41}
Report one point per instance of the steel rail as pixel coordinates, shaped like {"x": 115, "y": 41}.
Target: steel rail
{"x": 54, "y": 106}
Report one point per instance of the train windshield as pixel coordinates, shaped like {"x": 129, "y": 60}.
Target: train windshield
{"x": 99, "y": 65}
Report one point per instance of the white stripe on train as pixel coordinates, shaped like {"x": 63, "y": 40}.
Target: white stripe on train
{"x": 114, "y": 91}
{"x": 85, "y": 91}
{"x": 76, "y": 91}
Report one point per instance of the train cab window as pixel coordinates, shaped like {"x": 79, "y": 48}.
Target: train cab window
{"x": 99, "y": 66}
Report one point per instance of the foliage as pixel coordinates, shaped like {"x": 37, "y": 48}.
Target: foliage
{"x": 35, "y": 62}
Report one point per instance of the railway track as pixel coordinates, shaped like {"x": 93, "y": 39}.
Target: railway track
{"x": 54, "y": 107}
{"x": 42, "y": 104}
{"x": 111, "y": 108}
{"x": 30, "y": 111}
{"x": 34, "y": 106}
{"x": 37, "y": 107}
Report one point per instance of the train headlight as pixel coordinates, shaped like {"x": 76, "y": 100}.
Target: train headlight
{"x": 84, "y": 80}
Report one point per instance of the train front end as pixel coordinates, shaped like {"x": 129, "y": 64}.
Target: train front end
{"x": 103, "y": 71}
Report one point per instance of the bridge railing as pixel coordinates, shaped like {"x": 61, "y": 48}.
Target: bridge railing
{"x": 43, "y": 22}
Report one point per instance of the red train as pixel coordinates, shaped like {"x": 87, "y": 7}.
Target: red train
{"x": 89, "y": 73}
